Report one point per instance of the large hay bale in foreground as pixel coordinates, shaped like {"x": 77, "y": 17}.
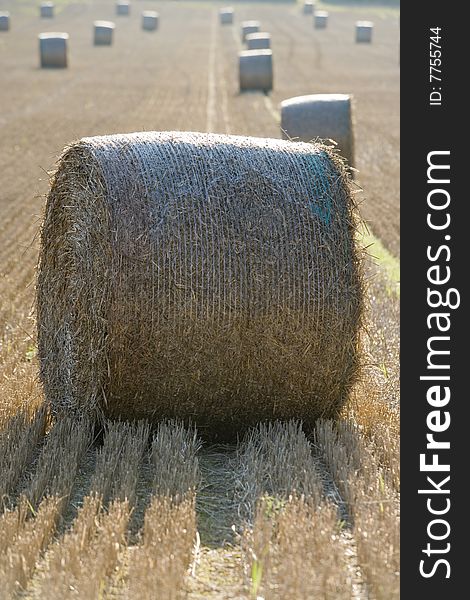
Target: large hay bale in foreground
{"x": 150, "y": 20}
{"x": 255, "y": 69}
{"x": 123, "y": 8}
{"x": 103, "y": 33}
{"x": 4, "y": 21}
{"x": 226, "y": 15}
{"x": 320, "y": 19}
{"x": 249, "y": 27}
{"x": 198, "y": 276}
{"x": 364, "y": 30}
{"x": 324, "y": 116}
{"x": 53, "y": 49}
{"x": 46, "y": 10}
{"x": 258, "y": 41}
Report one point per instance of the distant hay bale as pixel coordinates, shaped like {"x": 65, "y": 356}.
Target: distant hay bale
{"x": 150, "y": 20}
{"x": 255, "y": 70}
{"x": 320, "y": 19}
{"x": 258, "y": 41}
{"x": 324, "y": 116}
{"x": 202, "y": 277}
{"x": 364, "y": 30}
{"x": 53, "y": 49}
{"x": 249, "y": 27}
{"x": 309, "y": 7}
{"x": 4, "y": 21}
{"x": 226, "y": 15}
{"x": 123, "y": 8}
{"x": 46, "y": 10}
{"x": 103, "y": 33}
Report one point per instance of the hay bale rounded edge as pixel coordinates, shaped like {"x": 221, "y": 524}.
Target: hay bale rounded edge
{"x": 255, "y": 70}
{"x": 258, "y": 41}
{"x": 324, "y": 116}
{"x": 103, "y": 33}
{"x": 4, "y": 21}
{"x": 150, "y": 20}
{"x": 53, "y": 50}
{"x": 204, "y": 277}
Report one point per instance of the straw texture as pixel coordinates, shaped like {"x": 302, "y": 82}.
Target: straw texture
{"x": 53, "y": 49}
{"x": 258, "y": 41}
{"x": 4, "y": 21}
{"x": 249, "y": 27}
{"x": 199, "y": 276}
{"x": 226, "y": 15}
{"x": 255, "y": 70}
{"x": 150, "y": 20}
{"x": 364, "y": 30}
{"x": 103, "y": 33}
{"x": 323, "y": 116}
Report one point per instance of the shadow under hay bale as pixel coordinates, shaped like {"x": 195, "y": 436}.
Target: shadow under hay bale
{"x": 323, "y": 116}
{"x": 226, "y": 16}
{"x": 150, "y": 20}
{"x": 364, "y": 30}
{"x": 249, "y": 27}
{"x": 203, "y": 277}
{"x": 255, "y": 69}
{"x": 4, "y": 21}
{"x": 123, "y": 9}
{"x": 53, "y": 50}
{"x": 46, "y": 10}
{"x": 320, "y": 19}
{"x": 258, "y": 41}
{"x": 103, "y": 32}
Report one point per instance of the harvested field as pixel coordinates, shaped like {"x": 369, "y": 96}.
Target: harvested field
{"x": 116, "y": 513}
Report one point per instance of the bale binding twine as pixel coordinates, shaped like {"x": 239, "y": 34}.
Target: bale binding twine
{"x": 364, "y": 30}
{"x": 226, "y": 15}
{"x": 46, "y": 10}
{"x": 150, "y": 20}
{"x": 258, "y": 41}
{"x": 103, "y": 33}
{"x": 4, "y": 21}
{"x": 255, "y": 69}
{"x": 205, "y": 277}
{"x": 53, "y": 50}
{"x": 324, "y": 116}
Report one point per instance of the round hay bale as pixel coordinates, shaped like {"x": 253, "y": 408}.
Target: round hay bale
{"x": 53, "y": 50}
{"x": 255, "y": 68}
{"x": 258, "y": 41}
{"x": 226, "y": 15}
{"x": 4, "y": 21}
{"x": 364, "y": 30}
{"x": 46, "y": 10}
{"x": 123, "y": 8}
{"x": 320, "y": 116}
{"x": 103, "y": 33}
{"x": 203, "y": 277}
{"x": 249, "y": 27}
{"x": 150, "y": 20}
{"x": 320, "y": 19}
{"x": 308, "y": 8}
